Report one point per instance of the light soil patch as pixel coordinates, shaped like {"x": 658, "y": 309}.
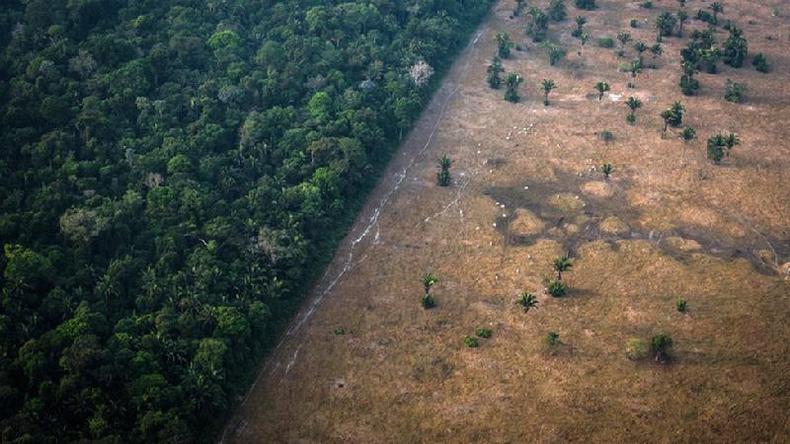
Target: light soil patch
{"x": 696, "y": 231}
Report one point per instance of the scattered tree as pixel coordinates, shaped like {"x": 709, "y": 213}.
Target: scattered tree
{"x": 580, "y": 22}
{"x": 562, "y": 263}
{"x": 688, "y": 133}
{"x": 717, "y": 8}
{"x": 601, "y": 87}
{"x": 659, "y": 346}
{"x": 504, "y": 44}
{"x": 556, "y": 52}
{"x": 548, "y": 86}
{"x": 512, "y": 82}
{"x": 734, "y": 91}
{"x": 633, "y": 104}
{"x": 607, "y": 169}
{"x": 556, "y": 10}
{"x": 735, "y": 48}
{"x": 538, "y": 26}
{"x": 493, "y": 73}
{"x": 760, "y": 63}
{"x": 665, "y": 24}
{"x": 557, "y": 289}
{"x": 688, "y": 84}
{"x": 587, "y": 5}
{"x": 428, "y": 280}
{"x": 681, "y": 305}
{"x": 656, "y": 50}
{"x": 527, "y": 301}
{"x": 682, "y": 18}
{"x": 623, "y": 37}
{"x": 640, "y": 48}
{"x": 520, "y": 4}
{"x": 443, "y": 178}
{"x": 720, "y": 145}
{"x": 552, "y": 339}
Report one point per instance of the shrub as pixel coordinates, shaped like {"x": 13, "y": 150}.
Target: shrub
{"x": 606, "y": 42}
{"x": 660, "y": 345}
{"x": 636, "y": 349}
{"x": 428, "y": 301}
{"x": 706, "y": 17}
{"x": 527, "y": 300}
{"x": 634, "y": 23}
{"x": 340, "y": 331}
{"x": 647, "y": 5}
{"x": 734, "y": 91}
{"x": 630, "y": 118}
{"x": 471, "y": 341}
{"x": 735, "y": 48}
{"x": 556, "y": 10}
{"x": 681, "y": 305}
{"x": 688, "y": 133}
{"x": 588, "y": 5}
{"x": 607, "y": 136}
{"x": 760, "y": 63}
{"x": 443, "y": 175}
{"x": 552, "y": 339}
{"x": 607, "y": 169}
{"x": 483, "y": 332}
{"x": 557, "y": 289}
{"x": 556, "y": 52}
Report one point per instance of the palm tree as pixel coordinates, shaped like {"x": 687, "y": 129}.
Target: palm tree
{"x": 493, "y": 70}
{"x": 607, "y": 169}
{"x": 527, "y": 300}
{"x": 624, "y": 38}
{"x": 503, "y": 44}
{"x": 640, "y": 47}
{"x": 601, "y": 87}
{"x": 548, "y": 85}
{"x": 512, "y": 83}
{"x": 717, "y": 8}
{"x": 682, "y": 18}
{"x": 633, "y": 104}
{"x": 428, "y": 280}
{"x": 561, "y": 264}
{"x": 667, "y": 116}
{"x": 443, "y": 175}
{"x": 580, "y": 22}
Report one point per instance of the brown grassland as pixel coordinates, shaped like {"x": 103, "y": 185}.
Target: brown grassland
{"x": 527, "y": 188}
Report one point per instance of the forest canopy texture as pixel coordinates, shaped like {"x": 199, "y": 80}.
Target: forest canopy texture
{"x": 173, "y": 173}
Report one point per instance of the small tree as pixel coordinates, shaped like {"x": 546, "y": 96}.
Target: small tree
{"x": 512, "y": 82}
{"x": 717, "y": 8}
{"x": 682, "y": 18}
{"x": 588, "y": 5}
{"x": 471, "y": 341}
{"x": 633, "y": 104}
{"x": 688, "y": 133}
{"x": 607, "y": 169}
{"x": 634, "y": 67}
{"x": 760, "y": 63}
{"x": 538, "y": 26}
{"x": 580, "y": 22}
{"x": 503, "y": 44}
{"x": 623, "y": 37}
{"x": 659, "y": 346}
{"x": 665, "y": 24}
{"x": 688, "y": 84}
{"x": 656, "y": 50}
{"x": 493, "y": 73}
{"x": 557, "y": 289}
{"x": 548, "y": 86}
{"x": 556, "y": 10}
{"x": 636, "y": 349}
{"x": 443, "y": 175}
{"x": 556, "y": 52}
{"x": 681, "y": 305}
{"x": 733, "y": 91}
{"x": 601, "y": 87}
{"x": 527, "y": 301}
{"x": 676, "y": 111}
{"x": 553, "y": 339}
{"x": 719, "y": 146}
{"x": 482, "y": 332}
{"x": 562, "y": 263}
{"x": 428, "y": 280}
{"x": 640, "y": 48}
{"x": 735, "y": 48}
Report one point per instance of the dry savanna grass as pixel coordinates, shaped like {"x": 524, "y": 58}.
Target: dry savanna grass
{"x": 526, "y": 189}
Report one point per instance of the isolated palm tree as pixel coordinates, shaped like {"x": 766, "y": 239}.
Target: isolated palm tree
{"x": 682, "y": 18}
{"x": 607, "y": 170}
{"x": 527, "y": 301}
{"x": 561, "y": 264}
{"x": 633, "y": 104}
{"x": 601, "y": 87}
{"x": 548, "y": 85}
{"x": 667, "y": 116}
{"x": 717, "y": 8}
{"x": 428, "y": 280}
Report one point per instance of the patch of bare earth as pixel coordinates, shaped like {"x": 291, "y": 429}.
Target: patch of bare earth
{"x": 668, "y": 224}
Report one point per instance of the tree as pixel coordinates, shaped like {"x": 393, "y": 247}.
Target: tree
{"x": 682, "y": 18}
{"x": 503, "y": 44}
{"x": 607, "y": 170}
{"x": 665, "y": 24}
{"x": 548, "y": 86}
{"x": 512, "y": 82}
{"x": 688, "y": 133}
{"x": 681, "y": 305}
{"x": 552, "y": 339}
{"x": 688, "y": 84}
{"x": 636, "y": 349}
{"x": 760, "y": 63}
{"x": 520, "y": 4}
{"x": 656, "y": 50}
{"x": 735, "y": 48}
{"x": 623, "y": 37}
{"x": 666, "y": 116}
{"x": 556, "y": 52}
{"x": 588, "y": 5}
{"x": 556, "y": 289}
{"x": 562, "y": 263}
{"x": 443, "y": 175}
{"x": 556, "y": 10}
{"x": 580, "y": 22}
{"x": 734, "y": 91}
{"x": 659, "y": 346}
{"x": 538, "y": 26}
{"x": 640, "y": 48}
{"x": 717, "y": 8}
{"x": 633, "y": 104}
{"x": 601, "y": 87}
{"x": 676, "y": 111}
{"x": 527, "y": 301}
{"x": 428, "y": 280}
{"x": 720, "y": 145}
{"x": 493, "y": 73}
{"x": 420, "y": 73}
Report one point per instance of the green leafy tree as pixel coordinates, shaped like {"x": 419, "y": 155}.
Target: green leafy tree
{"x": 601, "y": 87}
{"x": 493, "y": 73}
{"x": 760, "y": 63}
{"x": 688, "y": 84}
{"x": 633, "y": 104}
{"x": 527, "y": 301}
{"x": 504, "y": 45}
{"x": 735, "y": 48}
{"x": 682, "y": 18}
{"x": 557, "y": 289}
{"x": 665, "y": 24}
{"x": 443, "y": 177}
{"x": 623, "y": 37}
{"x": 688, "y": 133}
{"x": 580, "y": 22}
{"x": 556, "y": 52}
{"x": 556, "y": 10}
{"x": 640, "y": 48}
{"x": 562, "y": 264}
{"x": 734, "y": 91}
{"x": 548, "y": 86}
{"x": 512, "y": 82}
{"x": 659, "y": 346}
{"x": 538, "y": 25}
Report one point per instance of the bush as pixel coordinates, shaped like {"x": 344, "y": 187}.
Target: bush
{"x": 483, "y": 332}
{"x": 471, "y": 341}
{"x": 760, "y": 63}
{"x": 660, "y": 345}
{"x": 681, "y": 305}
{"x": 634, "y": 23}
{"x": 340, "y": 331}
{"x": 588, "y": 5}
{"x": 647, "y": 5}
{"x": 706, "y": 17}
{"x": 688, "y": 133}
{"x": 630, "y": 118}
{"x": 552, "y": 339}
{"x": 606, "y": 42}
{"x": 557, "y": 289}
{"x": 428, "y": 301}
{"x": 607, "y": 136}
{"x": 636, "y": 349}
{"x": 734, "y": 91}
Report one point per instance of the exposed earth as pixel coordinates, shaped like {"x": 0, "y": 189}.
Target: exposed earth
{"x": 526, "y": 189}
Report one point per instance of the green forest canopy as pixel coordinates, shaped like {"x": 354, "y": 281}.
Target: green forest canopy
{"x": 170, "y": 172}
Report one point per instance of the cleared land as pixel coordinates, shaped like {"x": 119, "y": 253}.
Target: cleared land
{"x": 527, "y": 188}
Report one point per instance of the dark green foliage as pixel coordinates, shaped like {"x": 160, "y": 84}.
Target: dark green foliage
{"x": 538, "y": 25}
{"x": 688, "y": 133}
{"x": 428, "y": 280}
{"x": 504, "y": 45}
{"x": 601, "y": 87}
{"x": 681, "y": 305}
{"x": 633, "y": 104}
{"x": 623, "y": 37}
{"x": 443, "y": 177}
{"x": 659, "y": 347}
{"x": 682, "y": 18}
{"x": 717, "y": 8}
{"x": 647, "y": 5}
{"x": 471, "y": 341}
{"x": 493, "y": 73}
{"x": 552, "y": 339}
{"x": 706, "y": 17}
{"x": 527, "y": 301}
{"x": 588, "y": 5}
{"x": 735, "y": 48}
{"x": 580, "y": 22}
{"x": 734, "y": 91}
{"x": 607, "y": 169}
{"x": 665, "y": 24}
{"x": 562, "y": 263}
{"x": 556, "y": 10}
{"x": 760, "y": 63}
{"x": 607, "y": 136}
{"x": 606, "y": 42}
{"x": 512, "y": 82}
{"x": 174, "y": 177}
{"x": 557, "y": 289}
{"x": 634, "y": 23}
{"x": 688, "y": 84}
{"x": 427, "y": 301}
{"x": 483, "y": 332}
{"x": 548, "y": 86}
{"x": 676, "y": 112}
{"x": 340, "y": 331}
{"x": 555, "y": 51}
{"x": 720, "y": 145}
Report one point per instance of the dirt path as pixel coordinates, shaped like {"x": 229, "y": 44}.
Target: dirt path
{"x": 526, "y": 188}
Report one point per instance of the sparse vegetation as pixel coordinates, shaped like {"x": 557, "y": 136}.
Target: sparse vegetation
{"x": 504, "y": 45}
{"x": 717, "y": 9}
{"x": 482, "y": 332}
{"x": 633, "y": 104}
{"x": 580, "y": 22}
{"x": 548, "y": 86}
{"x": 471, "y": 341}
{"x": 659, "y": 347}
{"x": 646, "y": 5}
{"x": 601, "y": 87}
{"x": 538, "y": 25}
{"x": 636, "y": 349}
{"x": 734, "y": 91}
{"x": 520, "y": 5}
{"x": 512, "y": 82}
{"x": 339, "y": 331}
{"x": 493, "y": 73}
{"x": 552, "y": 339}
{"x": 681, "y": 305}
{"x": 606, "y": 42}
{"x": 527, "y": 301}
{"x": 428, "y": 280}
{"x": 607, "y": 169}
{"x": 588, "y": 5}
{"x": 556, "y": 10}
{"x": 443, "y": 177}
{"x": 623, "y": 37}
{"x": 557, "y": 289}
{"x": 760, "y": 63}
{"x": 683, "y": 17}
{"x": 555, "y": 51}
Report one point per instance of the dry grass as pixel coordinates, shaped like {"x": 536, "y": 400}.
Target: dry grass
{"x": 684, "y": 228}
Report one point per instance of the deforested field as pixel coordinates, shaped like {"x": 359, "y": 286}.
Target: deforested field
{"x": 681, "y": 240}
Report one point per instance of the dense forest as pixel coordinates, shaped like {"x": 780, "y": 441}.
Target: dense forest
{"x": 174, "y": 173}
